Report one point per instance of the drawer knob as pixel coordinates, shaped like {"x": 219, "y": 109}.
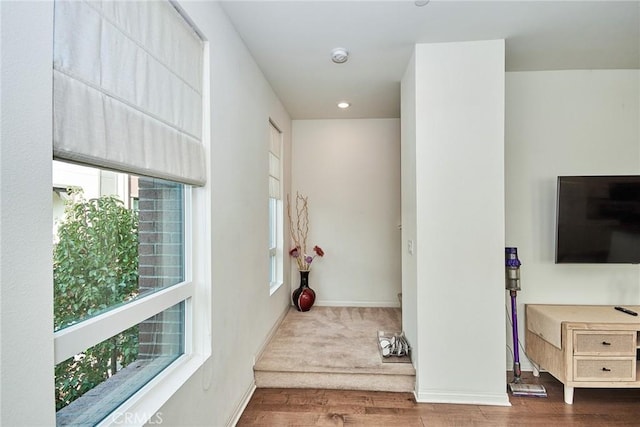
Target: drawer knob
{"x": 606, "y": 370}
{"x": 606, "y": 343}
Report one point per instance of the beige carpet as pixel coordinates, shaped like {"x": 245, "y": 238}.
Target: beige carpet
{"x": 333, "y": 347}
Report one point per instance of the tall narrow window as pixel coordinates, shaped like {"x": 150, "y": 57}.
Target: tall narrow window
{"x": 276, "y": 236}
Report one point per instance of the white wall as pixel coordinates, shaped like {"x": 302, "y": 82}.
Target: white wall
{"x": 566, "y": 123}
{"x": 409, "y": 212}
{"x": 350, "y": 170}
{"x": 459, "y": 240}
{"x": 26, "y": 274}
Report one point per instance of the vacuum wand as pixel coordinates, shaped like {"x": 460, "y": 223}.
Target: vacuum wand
{"x": 512, "y": 283}
{"x": 517, "y": 373}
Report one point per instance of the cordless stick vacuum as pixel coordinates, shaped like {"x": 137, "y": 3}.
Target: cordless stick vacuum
{"x": 512, "y": 283}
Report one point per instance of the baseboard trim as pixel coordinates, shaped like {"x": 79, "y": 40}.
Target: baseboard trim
{"x": 499, "y": 399}
{"x": 235, "y": 417}
{"x": 373, "y": 304}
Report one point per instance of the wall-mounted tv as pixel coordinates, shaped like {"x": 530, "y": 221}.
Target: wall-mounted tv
{"x": 598, "y": 219}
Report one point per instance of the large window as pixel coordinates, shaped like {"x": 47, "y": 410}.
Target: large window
{"x": 276, "y": 235}
{"x": 113, "y": 266}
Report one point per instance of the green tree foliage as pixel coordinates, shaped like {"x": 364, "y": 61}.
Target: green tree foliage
{"x": 95, "y": 267}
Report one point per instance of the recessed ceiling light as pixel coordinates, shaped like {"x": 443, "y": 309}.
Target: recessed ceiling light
{"x": 343, "y": 104}
{"x": 339, "y": 55}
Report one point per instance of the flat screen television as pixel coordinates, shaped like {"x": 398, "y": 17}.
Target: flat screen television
{"x": 598, "y": 219}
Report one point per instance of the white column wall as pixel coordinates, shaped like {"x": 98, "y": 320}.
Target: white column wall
{"x": 26, "y": 274}
{"x": 409, "y": 214}
{"x": 459, "y": 250}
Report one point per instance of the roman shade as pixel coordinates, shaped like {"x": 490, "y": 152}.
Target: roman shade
{"x": 128, "y": 89}
{"x": 275, "y": 146}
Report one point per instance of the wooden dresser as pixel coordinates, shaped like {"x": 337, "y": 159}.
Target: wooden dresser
{"x": 584, "y": 345}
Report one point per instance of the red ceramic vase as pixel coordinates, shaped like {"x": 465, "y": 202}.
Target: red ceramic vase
{"x": 303, "y": 297}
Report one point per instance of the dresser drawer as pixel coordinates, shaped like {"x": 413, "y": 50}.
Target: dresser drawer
{"x": 604, "y": 369}
{"x": 604, "y": 343}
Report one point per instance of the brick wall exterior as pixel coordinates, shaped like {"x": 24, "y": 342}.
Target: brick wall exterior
{"x": 161, "y": 264}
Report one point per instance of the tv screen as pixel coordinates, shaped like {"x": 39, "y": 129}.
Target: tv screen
{"x": 598, "y": 219}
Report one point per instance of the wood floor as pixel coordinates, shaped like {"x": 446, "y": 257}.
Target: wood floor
{"x": 312, "y": 407}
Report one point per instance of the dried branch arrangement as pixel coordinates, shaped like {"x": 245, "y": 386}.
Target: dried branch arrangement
{"x": 299, "y": 228}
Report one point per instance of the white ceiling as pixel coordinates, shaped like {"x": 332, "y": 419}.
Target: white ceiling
{"x": 292, "y": 42}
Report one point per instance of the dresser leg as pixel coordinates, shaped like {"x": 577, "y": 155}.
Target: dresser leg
{"x": 568, "y": 395}
{"x": 536, "y": 372}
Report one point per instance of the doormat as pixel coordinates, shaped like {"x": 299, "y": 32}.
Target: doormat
{"x": 390, "y": 344}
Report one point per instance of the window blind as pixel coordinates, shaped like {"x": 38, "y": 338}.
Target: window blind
{"x": 128, "y": 89}
{"x": 275, "y": 145}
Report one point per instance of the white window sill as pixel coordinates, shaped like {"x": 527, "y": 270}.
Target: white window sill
{"x": 274, "y": 287}
{"x": 143, "y": 407}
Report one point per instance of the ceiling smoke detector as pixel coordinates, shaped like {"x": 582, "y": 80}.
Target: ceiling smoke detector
{"x": 339, "y": 55}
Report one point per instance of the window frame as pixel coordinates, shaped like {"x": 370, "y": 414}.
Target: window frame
{"x": 76, "y": 338}
{"x": 273, "y": 240}
{"x": 276, "y": 220}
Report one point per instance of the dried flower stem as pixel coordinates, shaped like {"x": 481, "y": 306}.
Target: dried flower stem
{"x": 301, "y": 230}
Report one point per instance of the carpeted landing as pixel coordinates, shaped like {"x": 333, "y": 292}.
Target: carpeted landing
{"x": 333, "y": 348}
